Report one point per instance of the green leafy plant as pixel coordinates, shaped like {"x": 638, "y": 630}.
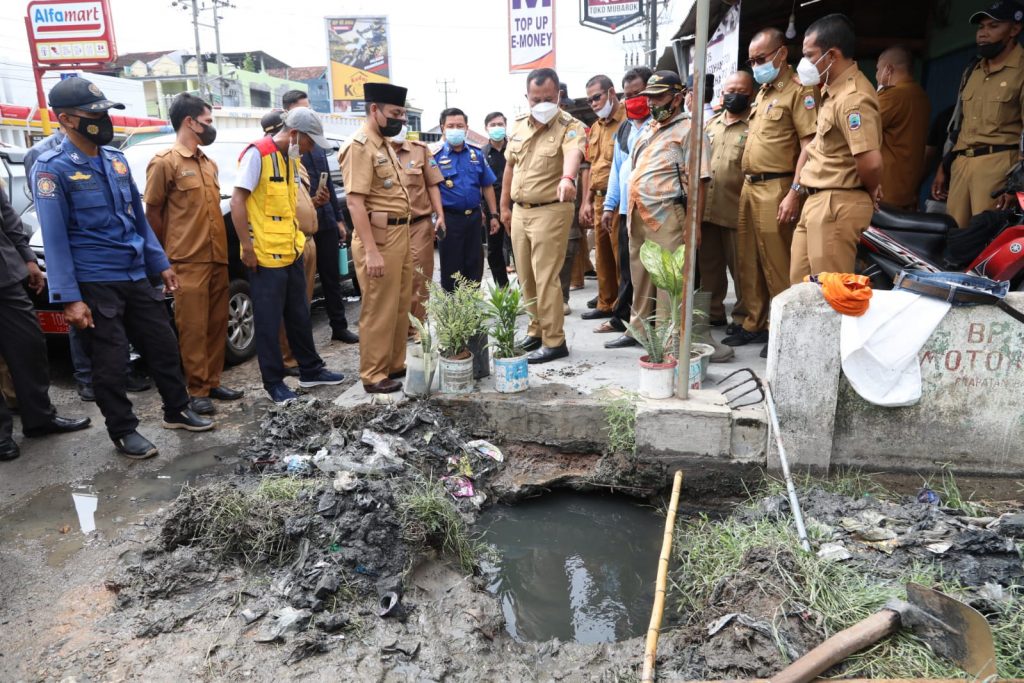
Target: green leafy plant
{"x": 423, "y": 331}
{"x": 458, "y": 316}
{"x": 666, "y": 271}
{"x": 655, "y": 338}
{"x": 504, "y": 306}
{"x": 429, "y": 517}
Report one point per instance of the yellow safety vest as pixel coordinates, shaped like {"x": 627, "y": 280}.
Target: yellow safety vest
{"x": 273, "y": 225}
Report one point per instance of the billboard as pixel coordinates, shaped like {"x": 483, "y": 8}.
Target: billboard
{"x": 531, "y": 35}
{"x": 358, "y": 53}
{"x": 724, "y": 49}
{"x": 70, "y": 32}
{"x": 611, "y": 15}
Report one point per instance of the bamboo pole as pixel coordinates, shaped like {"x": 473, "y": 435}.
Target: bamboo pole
{"x": 651, "y": 650}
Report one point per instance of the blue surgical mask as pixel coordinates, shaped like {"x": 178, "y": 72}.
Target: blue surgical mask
{"x": 766, "y": 73}
{"x": 496, "y": 133}
{"x": 455, "y": 136}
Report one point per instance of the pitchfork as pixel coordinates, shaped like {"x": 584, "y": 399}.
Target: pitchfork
{"x": 749, "y": 378}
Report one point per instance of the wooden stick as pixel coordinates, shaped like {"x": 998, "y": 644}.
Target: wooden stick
{"x": 651, "y": 650}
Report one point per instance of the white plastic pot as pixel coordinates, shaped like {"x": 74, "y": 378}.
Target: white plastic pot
{"x": 511, "y": 375}
{"x": 705, "y": 351}
{"x": 696, "y": 364}
{"x": 657, "y": 380}
{"x": 419, "y": 371}
{"x": 456, "y": 375}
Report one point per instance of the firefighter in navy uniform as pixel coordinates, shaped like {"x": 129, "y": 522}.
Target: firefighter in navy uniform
{"x": 100, "y": 256}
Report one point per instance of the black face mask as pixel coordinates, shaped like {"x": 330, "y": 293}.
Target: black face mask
{"x": 991, "y": 50}
{"x": 391, "y": 128}
{"x": 208, "y": 135}
{"x": 97, "y": 131}
{"x": 735, "y": 102}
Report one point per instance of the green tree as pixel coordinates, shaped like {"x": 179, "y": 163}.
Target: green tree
{"x": 249, "y": 62}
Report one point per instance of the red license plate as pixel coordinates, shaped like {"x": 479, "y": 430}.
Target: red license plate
{"x": 52, "y": 322}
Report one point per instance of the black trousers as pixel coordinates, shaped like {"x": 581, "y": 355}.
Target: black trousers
{"x": 280, "y": 293}
{"x": 23, "y": 348}
{"x": 498, "y": 246}
{"x": 120, "y": 310}
{"x": 462, "y": 248}
{"x": 625, "y": 300}
{"x": 327, "y": 244}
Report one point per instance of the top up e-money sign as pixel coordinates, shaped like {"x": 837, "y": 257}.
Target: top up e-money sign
{"x": 71, "y": 32}
{"x": 531, "y": 35}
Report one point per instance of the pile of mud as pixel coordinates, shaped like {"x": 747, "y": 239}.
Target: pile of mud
{"x": 318, "y": 522}
{"x": 747, "y": 601}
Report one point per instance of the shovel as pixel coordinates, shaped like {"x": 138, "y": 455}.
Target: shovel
{"x": 952, "y": 629}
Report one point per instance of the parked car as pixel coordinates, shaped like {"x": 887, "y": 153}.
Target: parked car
{"x": 241, "y": 343}
{"x": 12, "y": 175}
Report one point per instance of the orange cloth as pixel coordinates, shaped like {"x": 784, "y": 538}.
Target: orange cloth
{"x": 846, "y": 293}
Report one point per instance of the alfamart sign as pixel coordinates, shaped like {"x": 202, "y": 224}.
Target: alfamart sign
{"x": 69, "y": 32}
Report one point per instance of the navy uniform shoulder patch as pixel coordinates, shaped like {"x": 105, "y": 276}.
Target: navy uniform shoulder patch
{"x": 46, "y": 184}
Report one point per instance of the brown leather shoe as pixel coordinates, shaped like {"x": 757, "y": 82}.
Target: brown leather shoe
{"x": 385, "y": 386}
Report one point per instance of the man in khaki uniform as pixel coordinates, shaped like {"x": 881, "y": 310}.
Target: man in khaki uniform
{"x": 905, "y": 111}
{"x": 727, "y": 132}
{"x": 544, "y": 153}
{"x": 600, "y": 149}
{"x": 781, "y": 124}
{"x": 422, "y": 177}
{"x": 183, "y": 207}
{"x": 992, "y": 104}
{"x": 656, "y": 209}
{"x": 379, "y": 204}
{"x": 841, "y": 170}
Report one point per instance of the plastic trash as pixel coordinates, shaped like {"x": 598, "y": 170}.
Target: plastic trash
{"x": 928, "y": 497}
{"x": 459, "y": 486}
{"x": 283, "y": 621}
{"x": 298, "y": 464}
{"x": 345, "y": 481}
{"x": 389, "y": 604}
{"x": 486, "y": 449}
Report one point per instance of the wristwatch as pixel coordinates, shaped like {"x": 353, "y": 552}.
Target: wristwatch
{"x": 797, "y": 187}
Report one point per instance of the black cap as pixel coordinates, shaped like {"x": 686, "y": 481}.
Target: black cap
{"x": 78, "y": 93}
{"x": 1003, "y": 10}
{"x": 662, "y": 82}
{"x": 384, "y": 93}
{"x": 272, "y": 122}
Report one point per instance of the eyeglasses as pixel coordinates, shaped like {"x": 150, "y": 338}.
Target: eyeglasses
{"x": 757, "y": 61}
{"x": 594, "y": 98}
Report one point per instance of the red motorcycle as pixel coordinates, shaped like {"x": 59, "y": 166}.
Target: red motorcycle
{"x": 993, "y": 246}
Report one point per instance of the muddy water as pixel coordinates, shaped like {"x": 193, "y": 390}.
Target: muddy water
{"x": 575, "y": 567}
{"x": 64, "y": 517}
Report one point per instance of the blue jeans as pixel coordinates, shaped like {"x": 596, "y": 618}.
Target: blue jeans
{"x": 281, "y": 293}
{"x": 79, "y": 356}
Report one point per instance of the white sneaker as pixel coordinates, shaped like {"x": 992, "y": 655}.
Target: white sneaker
{"x": 567, "y": 310}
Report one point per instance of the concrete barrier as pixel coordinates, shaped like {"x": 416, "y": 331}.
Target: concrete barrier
{"x": 971, "y": 412}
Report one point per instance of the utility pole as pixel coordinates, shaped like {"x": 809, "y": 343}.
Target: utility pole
{"x": 446, "y": 86}
{"x": 652, "y": 34}
{"x": 204, "y": 89}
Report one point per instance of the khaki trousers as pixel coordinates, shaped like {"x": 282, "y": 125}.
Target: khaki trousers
{"x": 763, "y": 248}
{"x": 826, "y": 237}
{"x": 972, "y": 182}
{"x": 669, "y": 236}
{"x": 540, "y": 236}
{"x": 717, "y": 254}
{"x": 384, "y": 318}
{"x": 421, "y": 243}
{"x": 607, "y": 257}
{"x": 309, "y": 268}
{"x": 201, "y": 315}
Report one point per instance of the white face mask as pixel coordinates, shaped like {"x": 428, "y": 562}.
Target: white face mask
{"x": 604, "y": 111}
{"x": 293, "y": 149}
{"x": 401, "y": 134}
{"x": 807, "y": 71}
{"x": 544, "y": 111}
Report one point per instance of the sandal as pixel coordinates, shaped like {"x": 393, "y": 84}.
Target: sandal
{"x": 608, "y": 326}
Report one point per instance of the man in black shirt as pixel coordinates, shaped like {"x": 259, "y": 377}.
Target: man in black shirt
{"x": 499, "y": 245}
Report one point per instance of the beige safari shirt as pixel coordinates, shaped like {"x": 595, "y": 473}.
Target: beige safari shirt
{"x": 783, "y": 112}
{"x": 727, "y": 141}
{"x": 369, "y": 167}
{"x": 536, "y": 153}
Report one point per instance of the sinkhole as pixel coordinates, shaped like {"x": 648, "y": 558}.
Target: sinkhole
{"x": 577, "y": 567}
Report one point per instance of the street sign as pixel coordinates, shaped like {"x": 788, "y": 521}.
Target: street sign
{"x": 71, "y": 32}
{"x": 611, "y": 15}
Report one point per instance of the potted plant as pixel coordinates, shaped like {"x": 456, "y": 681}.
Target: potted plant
{"x": 511, "y": 371}
{"x": 457, "y": 316}
{"x": 658, "y": 366}
{"x": 666, "y": 271}
{"x": 422, "y": 360}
